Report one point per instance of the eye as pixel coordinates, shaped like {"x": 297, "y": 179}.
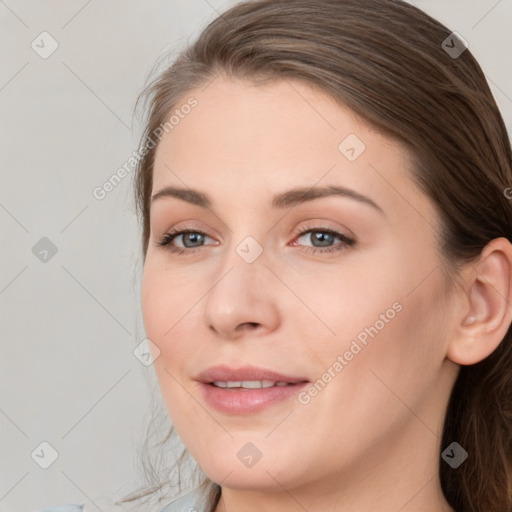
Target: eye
{"x": 324, "y": 237}
{"x": 192, "y": 240}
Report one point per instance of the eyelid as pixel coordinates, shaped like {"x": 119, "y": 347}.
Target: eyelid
{"x": 324, "y": 225}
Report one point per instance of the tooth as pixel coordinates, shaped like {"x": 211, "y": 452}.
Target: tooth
{"x": 251, "y": 384}
{"x": 248, "y": 384}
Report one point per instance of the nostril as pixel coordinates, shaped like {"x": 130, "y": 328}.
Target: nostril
{"x": 247, "y": 326}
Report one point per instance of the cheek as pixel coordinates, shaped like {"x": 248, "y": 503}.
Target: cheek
{"x": 162, "y": 310}
{"x": 163, "y": 301}
{"x": 389, "y": 323}
{"x": 152, "y": 304}
{"x": 353, "y": 304}
{"x": 404, "y": 347}
{"x": 172, "y": 317}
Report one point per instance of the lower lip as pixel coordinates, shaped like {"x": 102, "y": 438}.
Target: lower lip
{"x": 248, "y": 401}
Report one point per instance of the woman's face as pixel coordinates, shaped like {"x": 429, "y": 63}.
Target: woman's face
{"x": 353, "y": 313}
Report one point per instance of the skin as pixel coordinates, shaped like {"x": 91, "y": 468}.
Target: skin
{"x": 370, "y": 440}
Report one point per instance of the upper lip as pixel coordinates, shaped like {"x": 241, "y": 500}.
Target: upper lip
{"x": 227, "y": 374}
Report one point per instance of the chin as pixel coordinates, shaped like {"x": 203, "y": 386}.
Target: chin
{"x": 227, "y": 467}
{"x": 245, "y": 479}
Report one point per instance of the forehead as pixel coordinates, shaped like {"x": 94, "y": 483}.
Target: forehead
{"x": 239, "y": 120}
{"x": 241, "y": 139}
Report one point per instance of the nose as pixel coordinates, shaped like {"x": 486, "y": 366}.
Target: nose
{"x": 242, "y": 299}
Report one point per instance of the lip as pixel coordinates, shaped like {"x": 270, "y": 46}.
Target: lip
{"x": 246, "y": 401}
{"x": 226, "y": 373}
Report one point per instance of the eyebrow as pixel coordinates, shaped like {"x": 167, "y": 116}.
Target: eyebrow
{"x": 287, "y": 199}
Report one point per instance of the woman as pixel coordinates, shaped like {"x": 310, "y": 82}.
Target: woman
{"x": 327, "y": 281}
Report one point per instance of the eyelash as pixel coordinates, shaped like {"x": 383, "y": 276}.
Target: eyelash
{"x": 167, "y": 238}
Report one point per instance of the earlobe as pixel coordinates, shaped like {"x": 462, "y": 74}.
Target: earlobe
{"x": 487, "y": 313}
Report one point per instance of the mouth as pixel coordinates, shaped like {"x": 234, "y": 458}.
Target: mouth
{"x": 247, "y": 390}
{"x": 248, "y": 384}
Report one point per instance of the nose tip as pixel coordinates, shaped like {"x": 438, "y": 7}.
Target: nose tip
{"x": 242, "y": 302}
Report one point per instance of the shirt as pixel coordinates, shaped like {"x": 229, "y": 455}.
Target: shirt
{"x": 190, "y": 502}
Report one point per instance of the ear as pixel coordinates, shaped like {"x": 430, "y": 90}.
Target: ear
{"x": 486, "y": 312}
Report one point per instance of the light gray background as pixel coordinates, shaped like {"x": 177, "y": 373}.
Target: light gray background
{"x": 69, "y": 325}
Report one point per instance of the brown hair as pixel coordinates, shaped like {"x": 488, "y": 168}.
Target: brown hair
{"x": 385, "y": 60}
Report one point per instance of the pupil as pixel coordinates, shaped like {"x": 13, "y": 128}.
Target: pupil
{"x": 197, "y": 236}
{"x": 322, "y": 237}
